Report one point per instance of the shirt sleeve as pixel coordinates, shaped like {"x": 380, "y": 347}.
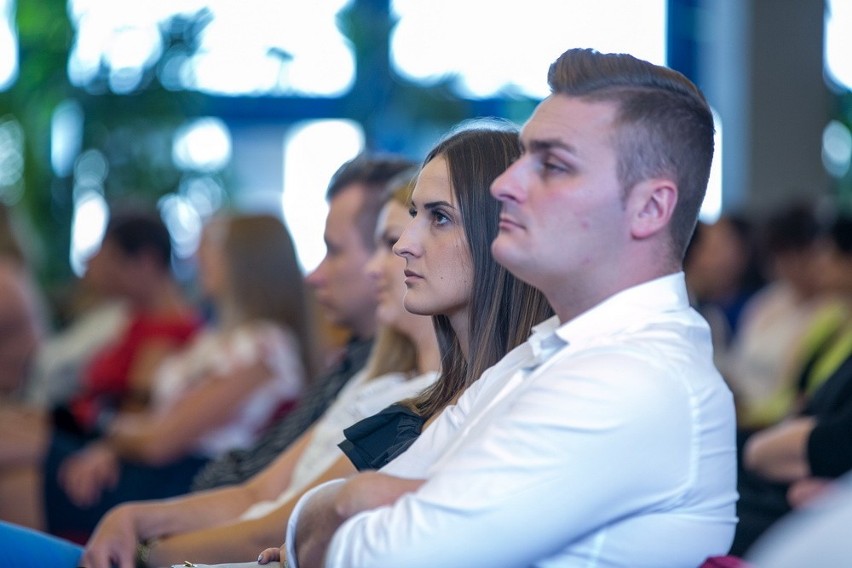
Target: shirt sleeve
{"x": 566, "y": 454}
{"x": 290, "y": 534}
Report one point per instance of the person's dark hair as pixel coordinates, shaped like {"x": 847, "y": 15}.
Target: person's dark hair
{"x": 138, "y": 233}
{"x": 753, "y": 278}
{"x": 664, "y": 126}
{"x": 503, "y": 309}
{"x": 793, "y": 227}
{"x": 373, "y": 171}
{"x": 840, "y": 233}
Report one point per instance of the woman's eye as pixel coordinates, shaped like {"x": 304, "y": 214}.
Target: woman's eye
{"x": 412, "y": 212}
{"x": 439, "y": 218}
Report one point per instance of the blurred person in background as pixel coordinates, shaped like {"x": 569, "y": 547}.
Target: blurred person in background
{"x": 135, "y": 256}
{"x": 95, "y": 314}
{"x": 767, "y": 352}
{"x": 785, "y": 465}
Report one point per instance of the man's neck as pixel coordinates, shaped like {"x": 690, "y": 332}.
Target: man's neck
{"x": 568, "y": 304}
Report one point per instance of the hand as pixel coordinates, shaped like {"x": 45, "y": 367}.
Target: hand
{"x": 114, "y": 541}
{"x": 805, "y": 490}
{"x": 87, "y": 473}
{"x": 272, "y": 555}
{"x": 780, "y": 452}
{"x": 370, "y": 490}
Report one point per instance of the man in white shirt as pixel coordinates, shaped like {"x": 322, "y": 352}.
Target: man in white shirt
{"x": 608, "y": 438}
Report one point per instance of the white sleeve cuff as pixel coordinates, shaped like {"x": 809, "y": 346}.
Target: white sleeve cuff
{"x": 290, "y": 535}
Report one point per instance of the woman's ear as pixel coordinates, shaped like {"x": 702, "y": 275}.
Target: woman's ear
{"x": 652, "y": 203}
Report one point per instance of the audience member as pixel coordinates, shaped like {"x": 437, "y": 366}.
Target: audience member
{"x": 765, "y": 357}
{"x": 94, "y": 315}
{"x": 347, "y": 296}
{"x": 135, "y": 255}
{"x": 607, "y": 438}
{"x": 785, "y": 465}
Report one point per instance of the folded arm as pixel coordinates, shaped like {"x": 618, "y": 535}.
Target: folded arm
{"x": 160, "y": 437}
{"x": 780, "y": 453}
{"x": 332, "y": 506}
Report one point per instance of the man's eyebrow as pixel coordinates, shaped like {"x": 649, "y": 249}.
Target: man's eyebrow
{"x": 543, "y": 145}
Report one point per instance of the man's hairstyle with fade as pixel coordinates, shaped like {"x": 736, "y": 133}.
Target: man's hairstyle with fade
{"x": 664, "y": 126}
{"x": 372, "y": 172}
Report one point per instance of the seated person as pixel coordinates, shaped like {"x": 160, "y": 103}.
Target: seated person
{"x": 771, "y": 345}
{"x": 91, "y": 316}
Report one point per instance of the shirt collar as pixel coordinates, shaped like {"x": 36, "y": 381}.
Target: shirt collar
{"x": 543, "y": 342}
{"x": 632, "y": 307}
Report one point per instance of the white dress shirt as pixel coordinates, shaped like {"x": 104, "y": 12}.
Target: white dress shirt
{"x": 606, "y": 441}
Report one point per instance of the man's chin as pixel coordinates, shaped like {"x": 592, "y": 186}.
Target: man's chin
{"x": 504, "y": 250}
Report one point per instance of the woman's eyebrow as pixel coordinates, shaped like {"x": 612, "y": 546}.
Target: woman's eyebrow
{"x": 433, "y": 204}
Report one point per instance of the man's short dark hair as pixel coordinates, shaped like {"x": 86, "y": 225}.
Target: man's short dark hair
{"x": 373, "y": 172}
{"x": 664, "y": 126}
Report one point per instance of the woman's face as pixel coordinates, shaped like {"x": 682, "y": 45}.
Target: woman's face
{"x": 386, "y": 269}
{"x": 438, "y": 264}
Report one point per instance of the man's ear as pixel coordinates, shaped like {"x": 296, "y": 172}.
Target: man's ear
{"x": 652, "y": 203}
